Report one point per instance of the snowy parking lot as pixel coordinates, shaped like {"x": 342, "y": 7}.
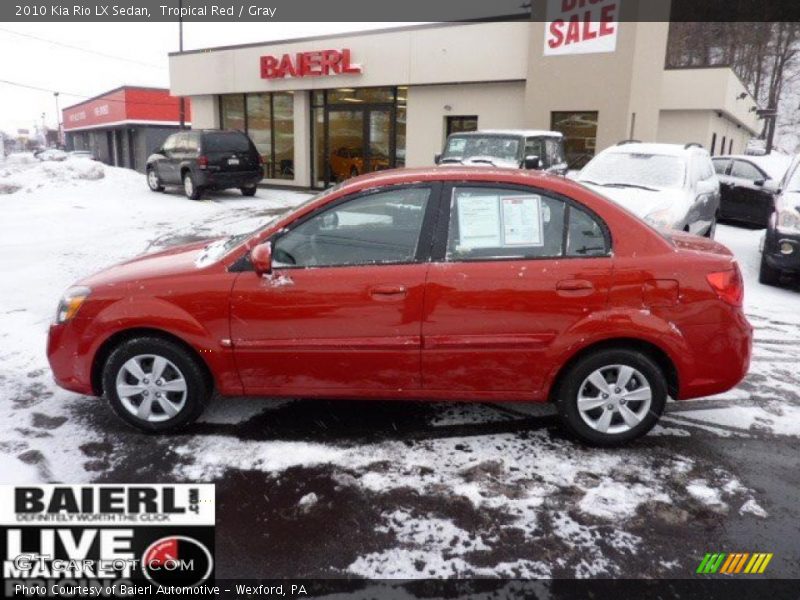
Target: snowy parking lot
{"x": 382, "y": 489}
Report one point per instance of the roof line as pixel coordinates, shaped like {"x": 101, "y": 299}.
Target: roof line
{"x": 312, "y": 38}
{"x": 114, "y": 91}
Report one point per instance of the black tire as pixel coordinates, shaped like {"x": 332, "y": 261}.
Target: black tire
{"x": 153, "y": 181}
{"x": 197, "y": 383}
{"x": 767, "y": 274}
{"x": 193, "y": 192}
{"x": 574, "y": 379}
{"x": 248, "y": 191}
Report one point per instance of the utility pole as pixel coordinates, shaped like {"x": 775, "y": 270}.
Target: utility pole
{"x": 58, "y": 120}
{"x": 182, "y": 100}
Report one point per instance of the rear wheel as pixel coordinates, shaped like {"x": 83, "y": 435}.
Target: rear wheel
{"x": 248, "y": 190}
{"x": 155, "y": 385}
{"x": 611, "y": 397}
{"x": 768, "y": 275}
{"x": 191, "y": 189}
{"x": 152, "y": 180}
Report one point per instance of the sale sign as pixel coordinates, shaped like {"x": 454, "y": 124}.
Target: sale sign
{"x": 581, "y": 26}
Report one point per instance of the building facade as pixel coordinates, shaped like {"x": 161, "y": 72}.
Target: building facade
{"x": 123, "y": 126}
{"x": 323, "y": 109}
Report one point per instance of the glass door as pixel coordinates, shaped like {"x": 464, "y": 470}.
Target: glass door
{"x": 346, "y": 144}
{"x": 379, "y": 140}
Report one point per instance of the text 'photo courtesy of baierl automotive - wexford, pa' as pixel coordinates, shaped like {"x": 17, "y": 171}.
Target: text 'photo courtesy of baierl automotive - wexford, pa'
{"x": 388, "y": 301}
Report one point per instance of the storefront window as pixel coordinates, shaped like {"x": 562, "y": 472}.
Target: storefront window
{"x": 459, "y": 124}
{"x": 361, "y": 96}
{"x": 232, "y": 112}
{"x": 580, "y": 135}
{"x": 268, "y": 119}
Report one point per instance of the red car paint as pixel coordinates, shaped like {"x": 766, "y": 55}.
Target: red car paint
{"x": 488, "y": 330}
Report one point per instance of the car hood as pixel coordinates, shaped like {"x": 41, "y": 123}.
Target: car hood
{"x": 165, "y": 263}
{"x": 643, "y": 202}
{"x": 788, "y": 200}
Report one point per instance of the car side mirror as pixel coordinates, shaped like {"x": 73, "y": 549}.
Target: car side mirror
{"x": 532, "y": 162}
{"x": 261, "y": 257}
{"x": 437, "y": 158}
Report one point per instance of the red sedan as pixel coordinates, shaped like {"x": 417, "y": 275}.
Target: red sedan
{"x": 446, "y": 284}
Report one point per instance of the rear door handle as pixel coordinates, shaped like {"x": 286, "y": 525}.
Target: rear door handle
{"x": 388, "y": 292}
{"x": 574, "y": 285}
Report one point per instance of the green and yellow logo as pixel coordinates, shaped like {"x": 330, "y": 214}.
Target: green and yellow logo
{"x": 735, "y": 563}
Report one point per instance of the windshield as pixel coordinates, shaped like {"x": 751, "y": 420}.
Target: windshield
{"x": 461, "y": 148}
{"x": 635, "y": 170}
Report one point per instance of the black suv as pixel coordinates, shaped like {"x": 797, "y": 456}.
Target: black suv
{"x": 206, "y": 159}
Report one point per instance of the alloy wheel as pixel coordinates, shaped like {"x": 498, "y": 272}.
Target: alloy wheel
{"x": 151, "y": 388}
{"x": 614, "y": 399}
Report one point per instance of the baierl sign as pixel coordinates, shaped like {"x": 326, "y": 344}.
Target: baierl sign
{"x": 581, "y": 26}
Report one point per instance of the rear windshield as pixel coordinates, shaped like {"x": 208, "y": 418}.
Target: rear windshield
{"x": 226, "y": 141}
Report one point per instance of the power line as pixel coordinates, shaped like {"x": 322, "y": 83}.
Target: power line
{"x": 83, "y": 96}
{"x": 79, "y": 49}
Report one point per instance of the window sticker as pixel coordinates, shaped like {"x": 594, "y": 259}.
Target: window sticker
{"x": 522, "y": 221}
{"x": 478, "y": 222}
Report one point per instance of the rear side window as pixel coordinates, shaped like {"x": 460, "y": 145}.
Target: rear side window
{"x": 721, "y": 165}
{"x": 745, "y": 170}
{"x": 226, "y": 142}
{"x": 585, "y": 235}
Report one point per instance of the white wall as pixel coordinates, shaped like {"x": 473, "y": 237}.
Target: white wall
{"x": 497, "y": 105}
{"x": 683, "y": 126}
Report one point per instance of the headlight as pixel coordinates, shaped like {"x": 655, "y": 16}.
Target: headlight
{"x": 788, "y": 221}
{"x": 662, "y": 219}
{"x": 71, "y": 303}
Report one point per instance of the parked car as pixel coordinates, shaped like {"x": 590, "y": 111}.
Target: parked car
{"x": 668, "y": 185}
{"x": 512, "y": 148}
{"x": 745, "y": 197}
{"x": 51, "y": 154}
{"x": 206, "y": 159}
{"x": 82, "y": 154}
{"x": 349, "y": 162}
{"x": 444, "y": 284}
{"x": 780, "y": 250}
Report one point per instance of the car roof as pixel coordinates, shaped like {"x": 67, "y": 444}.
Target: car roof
{"x": 678, "y": 150}
{"x": 519, "y": 132}
{"x": 774, "y": 165}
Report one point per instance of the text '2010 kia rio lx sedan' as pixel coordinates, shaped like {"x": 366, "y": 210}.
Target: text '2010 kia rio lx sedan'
{"x": 446, "y": 284}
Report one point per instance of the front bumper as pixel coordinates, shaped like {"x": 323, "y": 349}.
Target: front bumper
{"x": 776, "y": 259}
{"x": 69, "y": 362}
{"x": 221, "y": 180}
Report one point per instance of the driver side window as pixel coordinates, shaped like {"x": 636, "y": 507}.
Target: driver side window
{"x": 380, "y": 228}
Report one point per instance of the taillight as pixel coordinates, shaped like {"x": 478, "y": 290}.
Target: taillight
{"x": 728, "y": 285}
{"x": 202, "y": 161}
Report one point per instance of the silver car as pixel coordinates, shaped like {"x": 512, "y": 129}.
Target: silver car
{"x": 668, "y": 185}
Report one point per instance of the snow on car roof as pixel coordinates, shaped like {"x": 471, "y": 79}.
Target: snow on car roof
{"x": 520, "y": 132}
{"x": 654, "y": 148}
{"x": 774, "y": 164}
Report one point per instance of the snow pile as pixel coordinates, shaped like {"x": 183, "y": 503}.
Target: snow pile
{"x": 28, "y": 177}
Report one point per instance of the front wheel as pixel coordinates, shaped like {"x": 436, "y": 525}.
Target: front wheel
{"x": 152, "y": 180}
{"x": 767, "y": 274}
{"x": 155, "y": 385}
{"x": 611, "y": 397}
{"x": 191, "y": 189}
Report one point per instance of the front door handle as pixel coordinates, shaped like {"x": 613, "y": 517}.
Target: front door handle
{"x": 574, "y": 285}
{"x": 388, "y": 292}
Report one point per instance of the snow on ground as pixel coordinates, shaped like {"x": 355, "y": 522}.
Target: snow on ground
{"x": 455, "y": 499}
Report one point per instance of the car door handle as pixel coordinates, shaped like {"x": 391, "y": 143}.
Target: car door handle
{"x": 387, "y": 292}
{"x": 574, "y": 285}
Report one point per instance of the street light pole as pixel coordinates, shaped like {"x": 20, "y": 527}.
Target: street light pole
{"x": 182, "y": 101}
{"x": 58, "y": 119}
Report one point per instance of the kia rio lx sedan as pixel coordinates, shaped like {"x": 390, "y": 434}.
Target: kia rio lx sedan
{"x": 437, "y": 284}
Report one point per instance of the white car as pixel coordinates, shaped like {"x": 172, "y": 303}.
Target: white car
{"x": 668, "y": 185}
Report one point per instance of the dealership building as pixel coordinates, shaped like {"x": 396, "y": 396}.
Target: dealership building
{"x": 123, "y": 126}
{"x": 325, "y": 108}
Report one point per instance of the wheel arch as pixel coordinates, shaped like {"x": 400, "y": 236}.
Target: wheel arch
{"x": 653, "y": 351}
{"x": 113, "y": 341}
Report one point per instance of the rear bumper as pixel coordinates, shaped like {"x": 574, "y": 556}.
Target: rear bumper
{"x": 775, "y": 258}
{"x": 225, "y": 180}
{"x": 720, "y": 358}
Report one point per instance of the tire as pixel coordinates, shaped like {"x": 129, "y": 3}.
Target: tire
{"x": 152, "y": 180}
{"x": 353, "y": 172}
{"x": 192, "y": 191}
{"x": 712, "y": 229}
{"x": 767, "y": 274}
{"x": 639, "y": 370}
{"x": 248, "y": 191}
{"x": 188, "y": 387}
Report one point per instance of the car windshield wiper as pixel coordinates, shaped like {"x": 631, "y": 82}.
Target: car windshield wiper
{"x": 448, "y": 160}
{"x": 482, "y": 160}
{"x": 630, "y": 185}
